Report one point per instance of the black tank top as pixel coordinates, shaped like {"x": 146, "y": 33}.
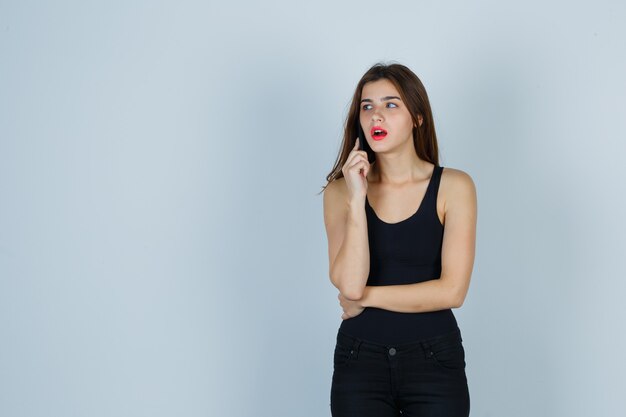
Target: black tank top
{"x": 403, "y": 253}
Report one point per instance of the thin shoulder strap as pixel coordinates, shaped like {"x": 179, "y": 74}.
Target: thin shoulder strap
{"x": 436, "y": 181}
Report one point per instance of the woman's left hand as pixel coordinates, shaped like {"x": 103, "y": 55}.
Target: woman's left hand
{"x": 351, "y": 308}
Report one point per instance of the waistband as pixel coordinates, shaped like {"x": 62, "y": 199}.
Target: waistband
{"x": 359, "y": 344}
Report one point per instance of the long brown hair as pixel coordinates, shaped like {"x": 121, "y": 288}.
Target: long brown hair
{"x": 413, "y": 94}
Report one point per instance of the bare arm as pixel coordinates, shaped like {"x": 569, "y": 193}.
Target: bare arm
{"x": 348, "y": 245}
{"x": 457, "y": 259}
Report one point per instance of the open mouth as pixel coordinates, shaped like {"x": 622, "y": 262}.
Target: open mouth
{"x": 378, "y": 133}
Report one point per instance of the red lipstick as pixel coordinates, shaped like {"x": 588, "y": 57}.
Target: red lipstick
{"x": 378, "y": 133}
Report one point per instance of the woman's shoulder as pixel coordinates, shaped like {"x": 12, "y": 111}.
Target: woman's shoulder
{"x": 335, "y": 187}
{"x": 456, "y": 176}
{"x": 455, "y": 182}
{"x": 335, "y": 194}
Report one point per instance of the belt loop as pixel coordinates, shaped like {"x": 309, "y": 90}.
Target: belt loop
{"x": 355, "y": 347}
{"x": 426, "y": 348}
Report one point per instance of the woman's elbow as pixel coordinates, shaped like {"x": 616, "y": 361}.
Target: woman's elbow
{"x": 458, "y": 298}
{"x": 348, "y": 291}
{"x": 351, "y": 293}
{"x": 348, "y": 287}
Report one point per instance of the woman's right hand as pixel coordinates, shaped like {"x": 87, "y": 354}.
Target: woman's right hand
{"x": 355, "y": 181}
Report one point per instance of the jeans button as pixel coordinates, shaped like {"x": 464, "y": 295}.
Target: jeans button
{"x": 392, "y": 351}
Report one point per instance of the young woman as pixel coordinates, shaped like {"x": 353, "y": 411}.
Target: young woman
{"x": 401, "y": 240}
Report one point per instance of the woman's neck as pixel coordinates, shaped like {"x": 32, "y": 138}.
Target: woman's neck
{"x": 393, "y": 172}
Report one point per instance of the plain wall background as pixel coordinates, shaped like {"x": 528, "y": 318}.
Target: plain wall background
{"x": 162, "y": 246}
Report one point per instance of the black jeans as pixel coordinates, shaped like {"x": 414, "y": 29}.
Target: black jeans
{"x": 425, "y": 378}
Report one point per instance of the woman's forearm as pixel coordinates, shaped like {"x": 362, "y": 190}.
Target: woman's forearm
{"x": 420, "y": 297}
{"x": 351, "y": 267}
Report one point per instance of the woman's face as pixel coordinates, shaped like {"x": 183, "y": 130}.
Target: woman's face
{"x": 382, "y": 108}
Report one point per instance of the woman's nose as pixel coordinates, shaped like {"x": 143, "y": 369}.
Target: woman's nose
{"x": 376, "y": 117}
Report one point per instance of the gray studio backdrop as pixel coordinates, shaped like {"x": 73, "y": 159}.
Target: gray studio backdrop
{"x": 162, "y": 246}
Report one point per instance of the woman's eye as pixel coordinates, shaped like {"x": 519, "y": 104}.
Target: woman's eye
{"x": 365, "y": 107}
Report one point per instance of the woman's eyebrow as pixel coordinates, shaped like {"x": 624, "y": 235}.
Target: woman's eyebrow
{"x": 382, "y": 99}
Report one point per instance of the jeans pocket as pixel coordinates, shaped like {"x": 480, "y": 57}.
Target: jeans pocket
{"x": 342, "y": 356}
{"x": 448, "y": 354}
